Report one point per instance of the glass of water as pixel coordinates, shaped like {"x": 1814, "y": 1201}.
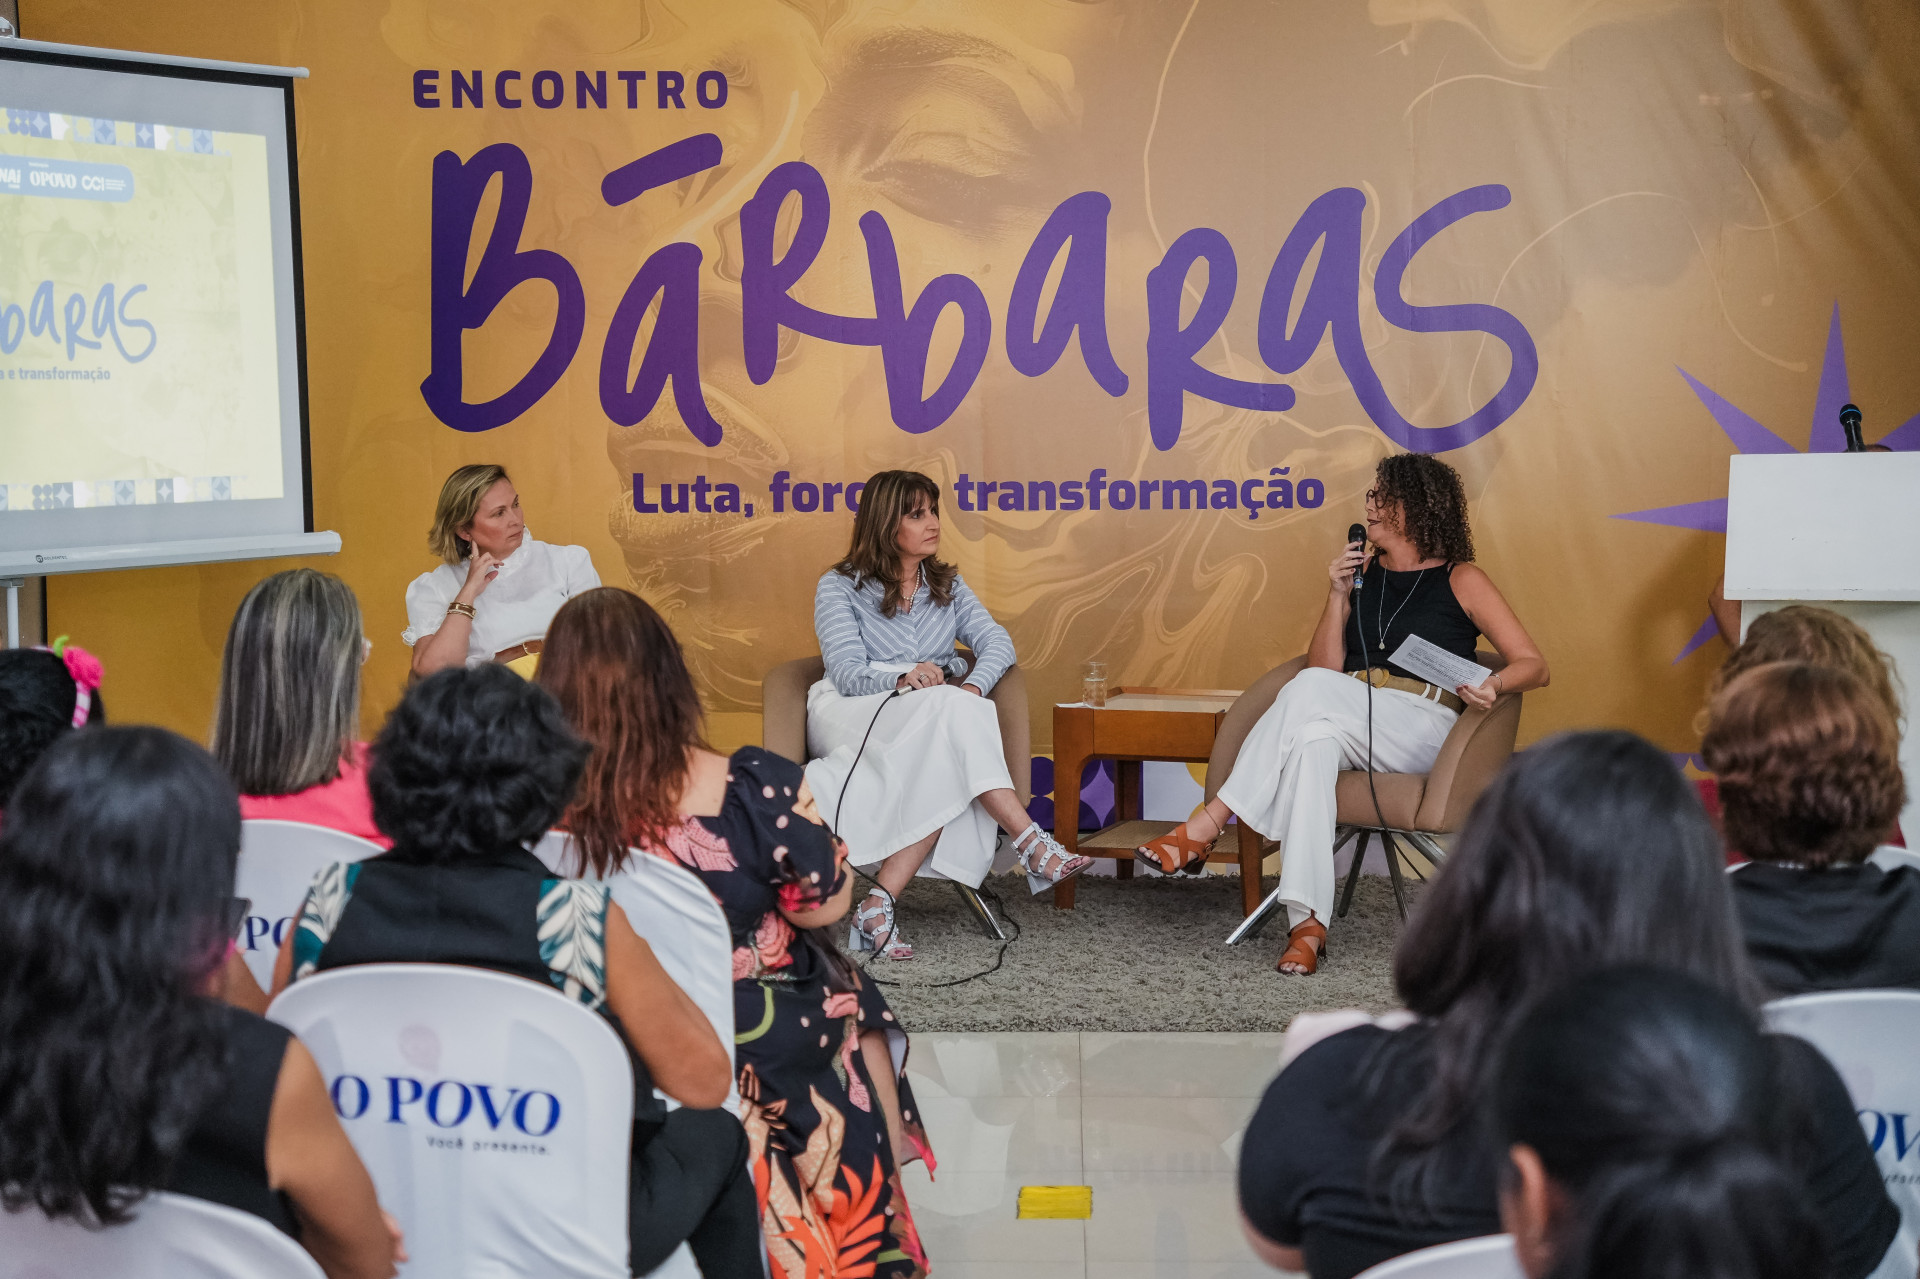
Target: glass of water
{"x": 1095, "y": 685}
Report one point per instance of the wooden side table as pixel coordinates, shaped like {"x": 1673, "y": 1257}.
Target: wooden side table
{"x": 1136, "y": 724}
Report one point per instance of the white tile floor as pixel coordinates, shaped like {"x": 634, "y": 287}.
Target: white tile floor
{"x": 1152, "y": 1122}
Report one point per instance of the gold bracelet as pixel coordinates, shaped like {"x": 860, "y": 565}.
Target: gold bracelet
{"x": 465, "y": 610}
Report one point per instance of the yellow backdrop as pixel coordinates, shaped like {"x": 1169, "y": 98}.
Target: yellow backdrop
{"x": 1720, "y": 188}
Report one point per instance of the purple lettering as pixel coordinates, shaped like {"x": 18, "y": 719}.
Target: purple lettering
{"x": 456, "y": 308}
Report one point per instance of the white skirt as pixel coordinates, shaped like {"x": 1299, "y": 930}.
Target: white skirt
{"x": 931, "y": 754}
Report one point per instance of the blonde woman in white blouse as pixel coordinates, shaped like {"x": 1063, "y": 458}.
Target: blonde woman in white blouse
{"x": 492, "y": 599}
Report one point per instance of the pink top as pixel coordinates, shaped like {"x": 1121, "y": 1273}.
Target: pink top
{"x": 342, "y": 804}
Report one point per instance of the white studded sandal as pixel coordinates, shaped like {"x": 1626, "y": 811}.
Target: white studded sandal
{"x": 884, "y": 936}
{"x": 1040, "y": 849}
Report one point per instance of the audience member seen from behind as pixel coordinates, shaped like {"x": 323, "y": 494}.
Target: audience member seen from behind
{"x": 120, "y": 1072}
{"x": 1803, "y": 633}
{"x": 1588, "y": 850}
{"x": 472, "y": 766}
{"x": 817, "y": 1040}
{"x": 289, "y": 709}
{"x": 44, "y": 694}
{"x": 1809, "y": 767}
{"x": 1637, "y": 1110}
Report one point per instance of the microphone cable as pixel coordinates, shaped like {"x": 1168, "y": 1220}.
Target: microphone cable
{"x": 880, "y": 943}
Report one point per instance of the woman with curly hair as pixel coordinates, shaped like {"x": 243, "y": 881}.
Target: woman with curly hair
{"x": 1810, "y": 781}
{"x": 472, "y": 767}
{"x": 1803, "y": 633}
{"x": 1419, "y": 580}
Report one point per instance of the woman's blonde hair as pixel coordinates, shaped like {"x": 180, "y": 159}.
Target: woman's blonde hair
{"x": 874, "y": 551}
{"x": 1819, "y": 636}
{"x": 459, "y": 503}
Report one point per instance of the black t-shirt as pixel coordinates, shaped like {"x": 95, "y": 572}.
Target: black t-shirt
{"x": 1305, "y": 1180}
{"x": 1843, "y": 928}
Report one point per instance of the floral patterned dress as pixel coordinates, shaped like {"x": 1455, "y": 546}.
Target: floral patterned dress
{"x": 831, "y": 1205}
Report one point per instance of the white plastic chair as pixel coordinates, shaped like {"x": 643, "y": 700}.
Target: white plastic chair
{"x": 670, "y": 907}
{"x": 278, "y": 861}
{"x": 170, "y": 1237}
{"x": 494, "y": 1115}
{"x": 1488, "y": 1257}
{"x": 1872, "y": 1037}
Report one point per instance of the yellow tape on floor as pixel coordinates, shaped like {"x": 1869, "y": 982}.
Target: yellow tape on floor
{"x": 1068, "y": 1202}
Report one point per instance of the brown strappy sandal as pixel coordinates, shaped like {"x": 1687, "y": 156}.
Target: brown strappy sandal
{"x": 1175, "y": 853}
{"x": 1298, "y": 952}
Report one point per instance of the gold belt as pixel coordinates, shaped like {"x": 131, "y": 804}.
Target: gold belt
{"x": 1380, "y": 677}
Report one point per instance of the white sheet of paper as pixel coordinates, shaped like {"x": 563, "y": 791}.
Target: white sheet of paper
{"x": 1437, "y": 666}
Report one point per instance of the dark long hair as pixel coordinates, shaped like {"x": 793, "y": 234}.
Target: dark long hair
{"x": 1432, "y": 502}
{"x": 37, "y": 695}
{"x": 116, "y": 864}
{"x": 470, "y": 763}
{"x": 1651, "y": 1098}
{"x": 874, "y": 552}
{"x": 619, "y": 676}
{"x": 1588, "y": 849}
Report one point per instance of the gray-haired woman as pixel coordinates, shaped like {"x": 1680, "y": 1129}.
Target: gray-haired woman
{"x": 286, "y": 727}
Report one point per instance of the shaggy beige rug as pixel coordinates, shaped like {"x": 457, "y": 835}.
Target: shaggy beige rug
{"x": 1147, "y": 954}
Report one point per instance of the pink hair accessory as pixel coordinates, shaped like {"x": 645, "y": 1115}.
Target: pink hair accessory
{"x": 84, "y": 667}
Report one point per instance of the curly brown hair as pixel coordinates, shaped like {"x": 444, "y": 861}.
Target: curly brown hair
{"x": 1803, "y": 633}
{"x": 1431, "y": 502}
{"x": 1809, "y": 764}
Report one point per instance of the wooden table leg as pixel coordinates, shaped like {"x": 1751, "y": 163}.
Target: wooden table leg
{"x": 1126, "y": 803}
{"x": 1250, "y": 859}
{"x": 1072, "y": 745}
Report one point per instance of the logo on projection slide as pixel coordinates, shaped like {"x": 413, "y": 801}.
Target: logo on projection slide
{"x": 903, "y": 329}
{"x": 1748, "y": 436}
{"x": 456, "y": 1114}
{"x": 1893, "y": 1136}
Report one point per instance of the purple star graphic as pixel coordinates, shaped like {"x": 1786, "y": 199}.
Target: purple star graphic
{"x": 1749, "y": 436}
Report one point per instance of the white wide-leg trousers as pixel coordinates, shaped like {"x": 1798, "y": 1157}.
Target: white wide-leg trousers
{"x": 1283, "y": 782}
{"x": 932, "y": 753}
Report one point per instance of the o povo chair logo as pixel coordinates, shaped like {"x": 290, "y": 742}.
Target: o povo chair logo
{"x": 460, "y": 1114}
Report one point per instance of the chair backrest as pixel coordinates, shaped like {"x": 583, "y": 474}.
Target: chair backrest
{"x": 1872, "y": 1037}
{"x": 1488, "y": 1257}
{"x": 278, "y": 861}
{"x": 1477, "y": 747}
{"x": 783, "y": 715}
{"x": 170, "y": 1237}
{"x": 783, "y": 706}
{"x": 494, "y": 1115}
{"x": 672, "y": 909}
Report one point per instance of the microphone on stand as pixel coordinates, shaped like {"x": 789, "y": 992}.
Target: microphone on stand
{"x": 1357, "y": 533}
{"x": 1850, "y": 423}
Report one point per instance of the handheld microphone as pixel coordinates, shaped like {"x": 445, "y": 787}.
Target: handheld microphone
{"x": 1850, "y": 423}
{"x": 1357, "y": 533}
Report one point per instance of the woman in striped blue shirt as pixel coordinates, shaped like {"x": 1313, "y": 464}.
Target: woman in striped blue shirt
{"x": 931, "y": 782}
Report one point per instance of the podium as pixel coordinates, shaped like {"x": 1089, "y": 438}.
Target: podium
{"x": 1841, "y": 531}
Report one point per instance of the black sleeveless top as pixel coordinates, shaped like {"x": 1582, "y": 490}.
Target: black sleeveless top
{"x": 225, "y": 1158}
{"x": 1418, "y": 602}
{"x": 481, "y": 914}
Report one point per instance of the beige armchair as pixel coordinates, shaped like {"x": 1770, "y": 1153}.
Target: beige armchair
{"x": 1415, "y": 806}
{"x": 783, "y": 712}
